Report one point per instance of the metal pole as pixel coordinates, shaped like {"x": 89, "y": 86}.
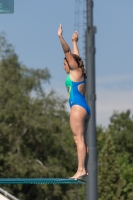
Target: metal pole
{"x": 91, "y": 186}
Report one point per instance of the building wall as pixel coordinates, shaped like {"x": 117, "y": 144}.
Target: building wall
{"x": 3, "y": 197}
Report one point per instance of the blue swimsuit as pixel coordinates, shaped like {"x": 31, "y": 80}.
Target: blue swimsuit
{"x": 75, "y": 97}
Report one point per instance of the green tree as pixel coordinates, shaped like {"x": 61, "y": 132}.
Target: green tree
{"x": 110, "y": 182}
{"x": 121, "y": 131}
{"x": 101, "y": 137}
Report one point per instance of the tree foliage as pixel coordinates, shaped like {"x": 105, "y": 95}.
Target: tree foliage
{"x": 116, "y": 157}
{"x": 110, "y": 182}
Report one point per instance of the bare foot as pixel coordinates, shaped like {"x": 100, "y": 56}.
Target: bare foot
{"x": 79, "y": 174}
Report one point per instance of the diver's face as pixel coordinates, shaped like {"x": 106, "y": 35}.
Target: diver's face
{"x": 66, "y": 67}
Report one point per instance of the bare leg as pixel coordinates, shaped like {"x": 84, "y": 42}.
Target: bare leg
{"x": 77, "y": 124}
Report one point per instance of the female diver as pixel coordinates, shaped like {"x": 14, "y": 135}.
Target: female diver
{"x": 80, "y": 111}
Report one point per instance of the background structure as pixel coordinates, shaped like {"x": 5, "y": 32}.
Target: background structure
{"x": 6, "y": 6}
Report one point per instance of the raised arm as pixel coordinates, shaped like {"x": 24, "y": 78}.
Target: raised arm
{"x": 74, "y": 42}
{"x": 67, "y": 51}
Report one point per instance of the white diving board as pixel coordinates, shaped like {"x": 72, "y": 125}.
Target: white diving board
{"x": 6, "y": 6}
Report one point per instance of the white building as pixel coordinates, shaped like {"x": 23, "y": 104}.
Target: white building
{"x": 4, "y": 195}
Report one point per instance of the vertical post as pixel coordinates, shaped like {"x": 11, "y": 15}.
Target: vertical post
{"x": 91, "y": 186}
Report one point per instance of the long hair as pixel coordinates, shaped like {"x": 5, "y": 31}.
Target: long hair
{"x": 80, "y": 63}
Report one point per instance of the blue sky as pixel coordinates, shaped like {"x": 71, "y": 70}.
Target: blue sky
{"x": 32, "y": 30}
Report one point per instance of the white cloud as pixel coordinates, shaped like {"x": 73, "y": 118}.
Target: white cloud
{"x": 110, "y": 100}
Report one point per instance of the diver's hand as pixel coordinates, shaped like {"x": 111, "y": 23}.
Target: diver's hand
{"x": 60, "y": 31}
{"x": 75, "y": 37}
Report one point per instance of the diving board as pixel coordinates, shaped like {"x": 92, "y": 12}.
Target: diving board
{"x": 40, "y": 181}
{"x": 6, "y": 6}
